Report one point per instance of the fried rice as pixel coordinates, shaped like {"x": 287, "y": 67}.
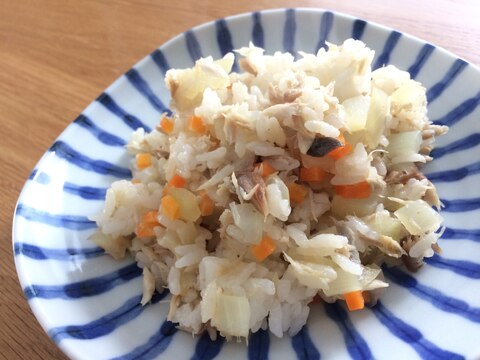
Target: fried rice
{"x": 291, "y": 180}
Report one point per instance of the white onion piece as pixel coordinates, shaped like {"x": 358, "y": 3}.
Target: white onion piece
{"x": 313, "y": 275}
{"x": 346, "y": 264}
{"x": 418, "y": 217}
{"x": 249, "y": 220}
{"x": 232, "y": 315}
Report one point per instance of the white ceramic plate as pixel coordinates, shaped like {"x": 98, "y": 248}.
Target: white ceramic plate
{"x": 89, "y": 303}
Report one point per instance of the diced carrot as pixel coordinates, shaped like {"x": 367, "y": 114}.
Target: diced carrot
{"x": 264, "y": 248}
{"x": 354, "y": 300}
{"x": 145, "y": 227}
{"x": 151, "y": 217}
{"x": 341, "y": 151}
{"x": 197, "y": 125}
{"x": 297, "y": 193}
{"x": 170, "y": 207}
{"x": 166, "y": 125}
{"x": 266, "y": 168}
{"x": 314, "y": 173}
{"x": 144, "y": 160}
{"x": 206, "y": 205}
{"x": 177, "y": 181}
{"x": 136, "y": 181}
{"x": 144, "y": 230}
{"x": 361, "y": 190}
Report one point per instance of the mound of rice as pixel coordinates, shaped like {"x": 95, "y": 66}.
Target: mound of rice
{"x": 289, "y": 181}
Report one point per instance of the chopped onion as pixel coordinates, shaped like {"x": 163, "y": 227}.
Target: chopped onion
{"x": 114, "y": 247}
{"x": 310, "y": 274}
{"x": 249, "y": 220}
{"x": 347, "y": 282}
{"x": 346, "y": 264}
{"x": 404, "y": 147}
{"x": 356, "y": 111}
{"x": 385, "y": 224}
{"x": 376, "y": 119}
{"x": 187, "y": 232}
{"x": 187, "y": 201}
{"x": 232, "y": 315}
{"x": 418, "y": 217}
{"x": 211, "y": 268}
{"x": 342, "y": 207}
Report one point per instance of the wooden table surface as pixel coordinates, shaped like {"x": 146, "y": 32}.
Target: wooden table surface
{"x": 56, "y": 56}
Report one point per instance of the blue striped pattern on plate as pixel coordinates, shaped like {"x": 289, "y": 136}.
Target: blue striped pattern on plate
{"x": 89, "y": 304}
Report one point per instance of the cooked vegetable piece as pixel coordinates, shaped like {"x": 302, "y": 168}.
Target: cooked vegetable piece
{"x": 354, "y": 300}
{"x": 418, "y": 217}
{"x": 150, "y": 217}
{"x": 197, "y": 125}
{"x": 356, "y": 111}
{"x": 264, "y": 249}
{"x": 341, "y": 151}
{"x": 144, "y": 229}
{"x": 177, "y": 181}
{"x": 166, "y": 124}
{"x": 379, "y": 108}
{"x": 232, "y": 315}
{"x": 170, "y": 207}
{"x": 297, "y": 193}
{"x": 314, "y": 173}
{"x": 206, "y": 205}
{"x": 143, "y": 160}
{"x": 249, "y": 220}
{"x": 266, "y": 168}
{"x": 187, "y": 202}
{"x": 361, "y": 190}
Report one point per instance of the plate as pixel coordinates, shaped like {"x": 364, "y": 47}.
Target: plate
{"x": 89, "y": 303}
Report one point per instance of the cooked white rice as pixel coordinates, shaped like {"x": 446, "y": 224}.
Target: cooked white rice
{"x": 286, "y": 114}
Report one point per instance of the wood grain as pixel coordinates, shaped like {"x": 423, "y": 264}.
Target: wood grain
{"x": 57, "y": 56}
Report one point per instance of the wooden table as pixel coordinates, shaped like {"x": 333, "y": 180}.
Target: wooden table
{"x": 57, "y": 55}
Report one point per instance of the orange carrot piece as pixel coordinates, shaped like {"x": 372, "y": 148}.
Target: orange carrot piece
{"x": 197, "y": 125}
{"x": 314, "y": 173}
{"x": 166, "y": 125}
{"x": 151, "y": 218}
{"x": 170, "y": 207}
{"x": 266, "y": 168}
{"x": 264, "y": 248}
{"x": 341, "y": 151}
{"x": 136, "y": 181}
{"x": 361, "y": 190}
{"x": 144, "y": 230}
{"x": 297, "y": 193}
{"x": 177, "y": 181}
{"x": 354, "y": 300}
{"x": 145, "y": 227}
{"x": 206, "y": 205}
{"x": 144, "y": 160}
